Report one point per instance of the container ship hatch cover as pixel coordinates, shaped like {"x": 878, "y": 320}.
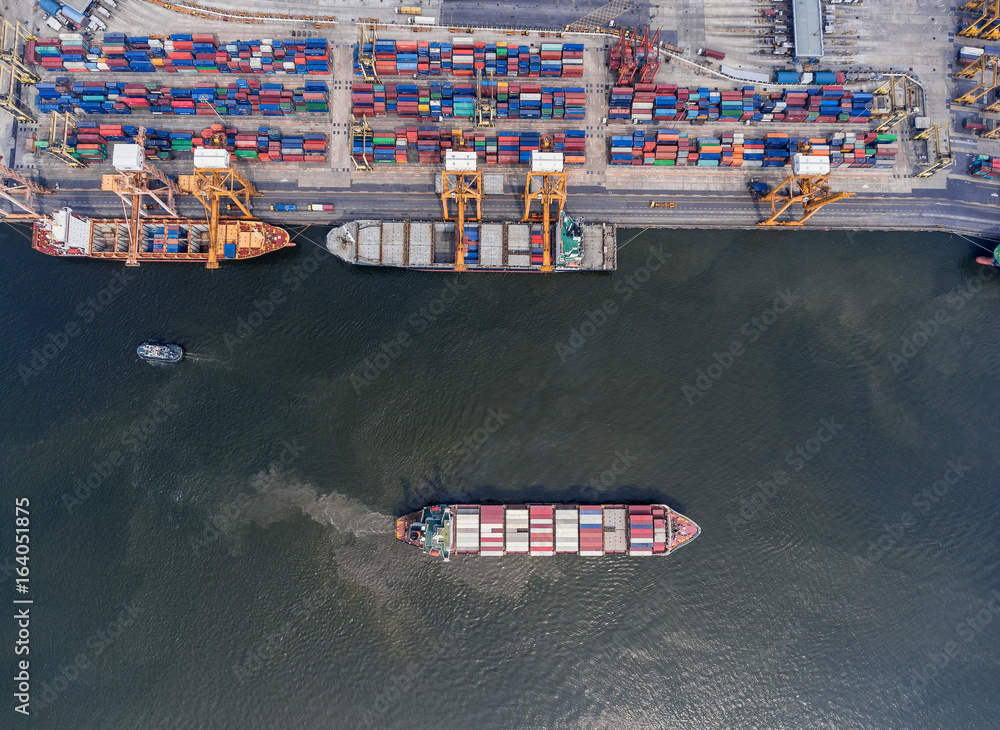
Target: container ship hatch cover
{"x": 505, "y": 246}
{"x": 546, "y": 529}
{"x": 160, "y": 238}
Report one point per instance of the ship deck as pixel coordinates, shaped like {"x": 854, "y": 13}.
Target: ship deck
{"x": 429, "y": 245}
{"x": 540, "y": 530}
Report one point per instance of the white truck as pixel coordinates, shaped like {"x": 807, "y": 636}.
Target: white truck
{"x": 54, "y": 24}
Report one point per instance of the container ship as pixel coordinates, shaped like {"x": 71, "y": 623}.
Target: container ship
{"x": 504, "y": 246}
{"x": 161, "y": 238}
{"x": 546, "y": 529}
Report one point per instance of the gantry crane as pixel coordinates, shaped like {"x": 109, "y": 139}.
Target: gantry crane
{"x": 898, "y": 90}
{"x": 136, "y": 180}
{"x": 363, "y": 131}
{"x": 19, "y": 191}
{"x": 635, "y": 56}
{"x": 60, "y": 127}
{"x": 462, "y": 182}
{"x": 987, "y": 68}
{"x": 486, "y": 108}
{"x": 942, "y": 153}
{"x": 989, "y": 15}
{"x": 368, "y": 35}
{"x": 210, "y": 184}
{"x": 546, "y": 184}
{"x": 813, "y": 191}
{"x": 14, "y": 70}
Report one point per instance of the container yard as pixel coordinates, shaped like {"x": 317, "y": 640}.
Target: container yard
{"x": 693, "y": 109}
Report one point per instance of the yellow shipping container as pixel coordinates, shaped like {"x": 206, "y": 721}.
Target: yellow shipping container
{"x": 409, "y": 10}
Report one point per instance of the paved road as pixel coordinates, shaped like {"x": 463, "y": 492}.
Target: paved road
{"x": 717, "y": 210}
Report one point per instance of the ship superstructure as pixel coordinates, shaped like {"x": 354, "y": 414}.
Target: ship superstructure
{"x": 445, "y": 530}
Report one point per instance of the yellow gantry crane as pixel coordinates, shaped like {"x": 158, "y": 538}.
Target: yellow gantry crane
{"x": 547, "y": 184}
{"x": 13, "y": 69}
{"x": 19, "y": 191}
{"x": 60, "y": 127}
{"x": 368, "y": 35}
{"x": 135, "y": 181}
{"x": 214, "y": 179}
{"x": 986, "y": 25}
{"x": 942, "y": 153}
{"x": 486, "y": 109}
{"x": 813, "y": 191}
{"x": 987, "y": 69}
{"x": 363, "y": 131}
{"x": 897, "y": 91}
{"x": 462, "y": 182}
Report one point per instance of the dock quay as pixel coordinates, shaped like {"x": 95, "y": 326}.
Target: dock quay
{"x": 348, "y": 120}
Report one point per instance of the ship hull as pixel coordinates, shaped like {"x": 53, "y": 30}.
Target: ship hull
{"x": 543, "y": 530}
{"x": 179, "y": 240}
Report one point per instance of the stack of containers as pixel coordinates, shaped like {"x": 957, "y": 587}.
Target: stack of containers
{"x": 541, "y": 536}
{"x": 491, "y": 530}
{"x": 429, "y": 145}
{"x": 537, "y": 253}
{"x": 466, "y": 529}
{"x": 183, "y": 53}
{"x": 572, "y": 60}
{"x": 516, "y": 530}
{"x": 567, "y": 530}
{"x": 620, "y": 103}
{"x": 528, "y": 142}
{"x": 551, "y": 60}
{"x": 673, "y": 148}
{"x": 985, "y": 166}
{"x": 640, "y": 529}
{"x": 242, "y": 98}
{"x": 463, "y": 56}
{"x": 591, "y": 531}
{"x": 470, "y": 241}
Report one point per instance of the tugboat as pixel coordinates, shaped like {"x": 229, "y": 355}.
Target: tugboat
{"x": 157, "y": 352}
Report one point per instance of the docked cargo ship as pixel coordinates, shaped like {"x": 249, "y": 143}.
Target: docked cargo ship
{"x": 444, "y": 530}
{"x": 161, "y": 238}
{"x": 511, "y": 247}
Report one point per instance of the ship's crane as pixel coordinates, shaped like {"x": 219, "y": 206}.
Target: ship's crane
{"x": 60, "y": 127}
{"x": 14, "y": 70}
{"x": 546, "y": 184}
{"x": 463, "y": 183}
{"x": 486, "y": 108}
{"x": 368, "y": 35}
{"x": 136, "y": 180}
{"x": 813, "y": 191}
{"x": 214, "y": 179}
{"x": 19, "y": 191}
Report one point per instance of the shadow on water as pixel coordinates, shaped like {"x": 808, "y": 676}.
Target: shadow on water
{"x": 432, "y": 492}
